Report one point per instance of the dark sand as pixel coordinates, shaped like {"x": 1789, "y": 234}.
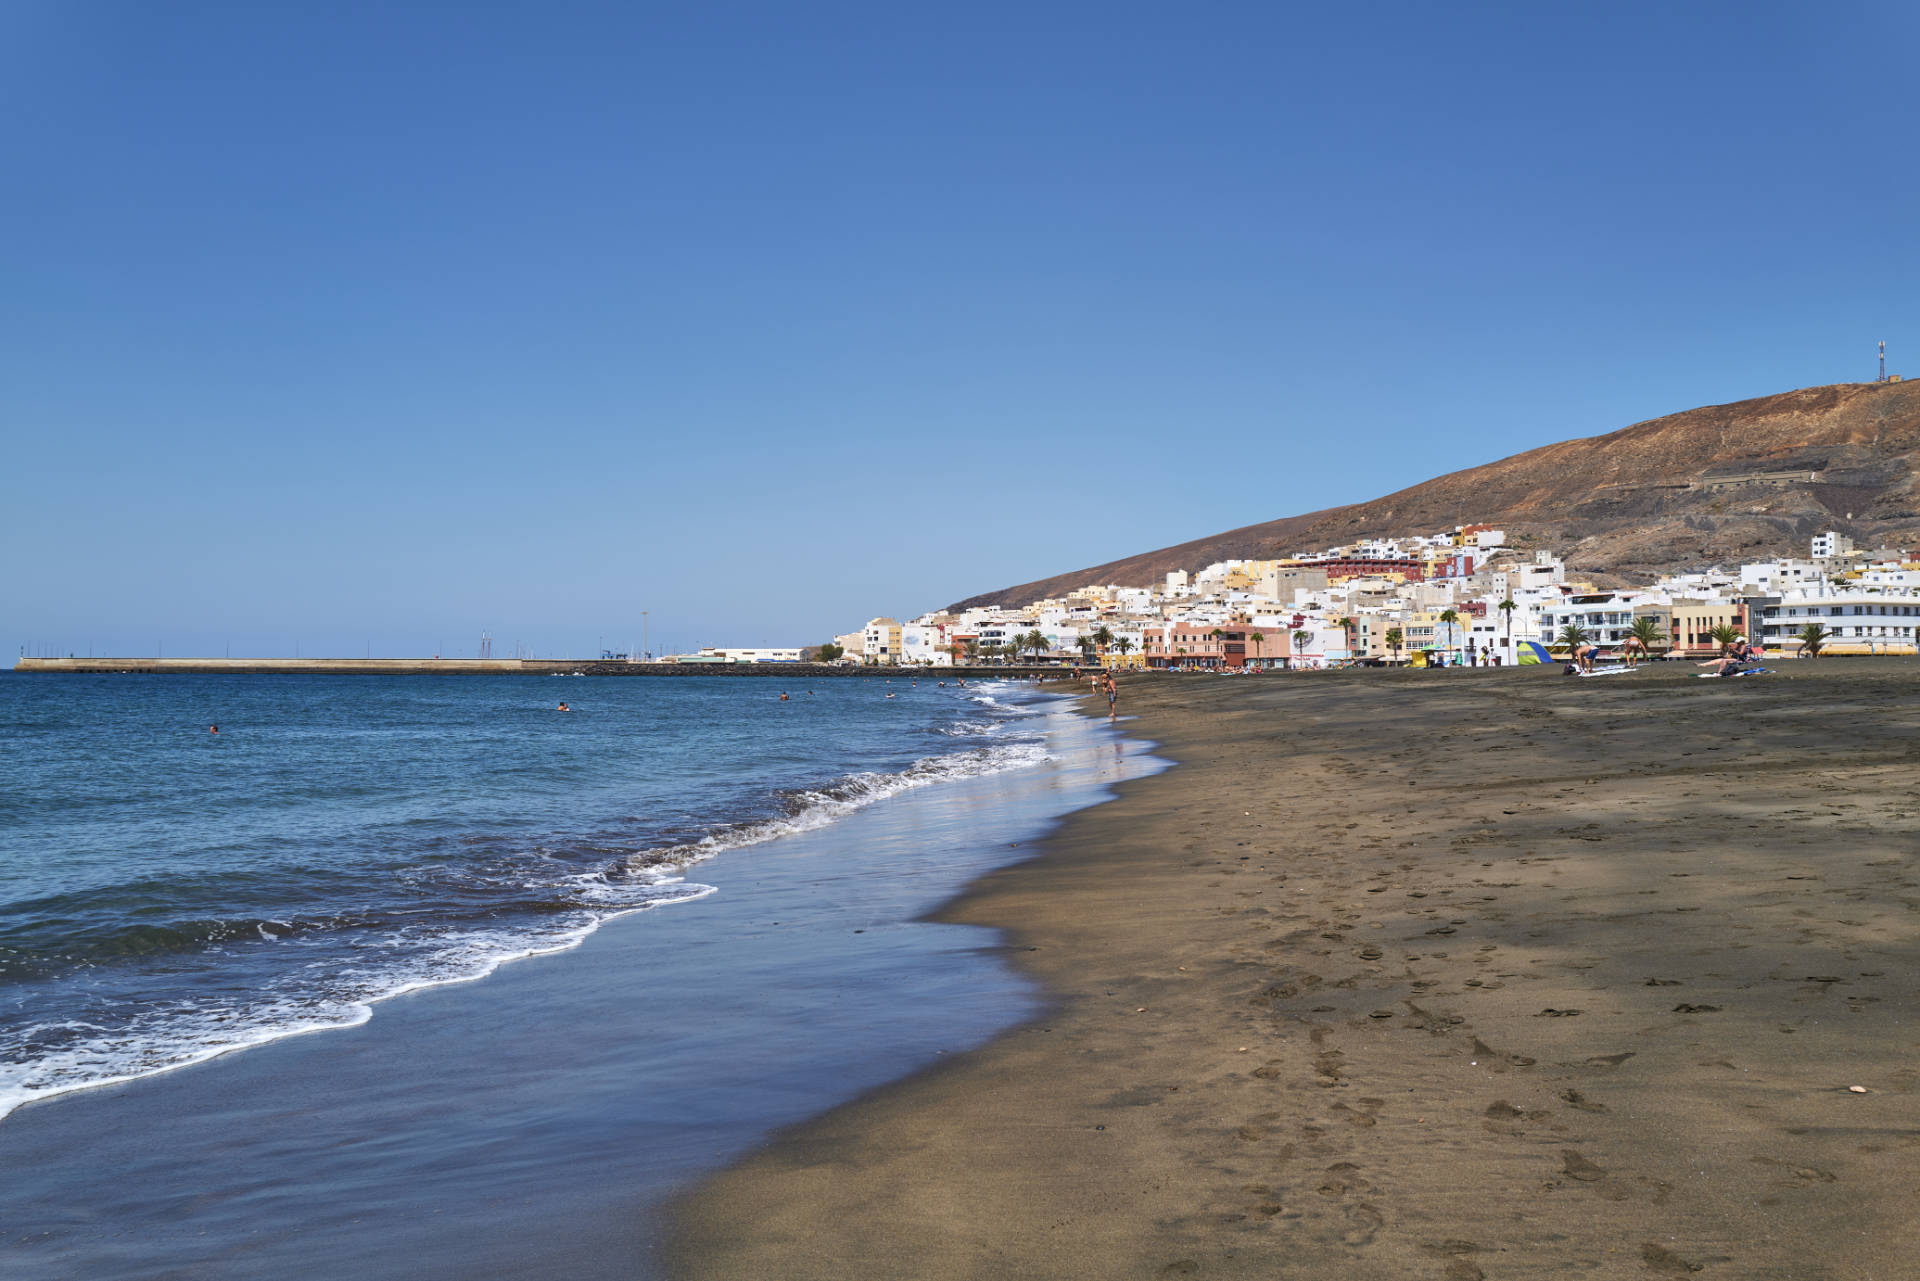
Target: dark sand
{"x": 1426, "y": 975}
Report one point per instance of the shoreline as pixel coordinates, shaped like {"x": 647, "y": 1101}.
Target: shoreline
{"x": 71, "y": 666}
{"x": 1458, "y": 975}
{"x": 503, "y": 1128}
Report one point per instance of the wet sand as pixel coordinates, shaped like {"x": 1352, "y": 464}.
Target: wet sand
{"x": 1427, "y": 975}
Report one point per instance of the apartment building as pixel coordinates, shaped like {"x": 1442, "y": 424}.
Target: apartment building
{"x": 1857, "y": 622}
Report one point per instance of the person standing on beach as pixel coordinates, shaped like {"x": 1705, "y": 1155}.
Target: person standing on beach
{"x": 1113, "y": 698}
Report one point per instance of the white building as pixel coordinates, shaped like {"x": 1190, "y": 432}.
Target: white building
{"x": 926, "y": 645}
{"x": 1885, "y": 576}
{"x": 1547, "y": 570}
{"x": 1857, "y": 621}
{"x": 1778, "y": 577}
{"x": 753, "y": 655}
{"x": 1831, "y": 543}
{"x": 1605, "y": 617}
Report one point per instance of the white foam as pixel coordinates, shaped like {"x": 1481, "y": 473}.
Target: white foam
{"x": 184, "y": 1032}
{"x": 813, "y": 810}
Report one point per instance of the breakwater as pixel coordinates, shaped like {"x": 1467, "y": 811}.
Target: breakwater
{"x": 489, "y": 667}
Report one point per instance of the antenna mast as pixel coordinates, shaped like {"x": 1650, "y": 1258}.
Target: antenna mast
{"x": 1883, "y": 360}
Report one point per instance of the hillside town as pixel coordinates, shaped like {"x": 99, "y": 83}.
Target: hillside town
{"x": 1462, "y": 598}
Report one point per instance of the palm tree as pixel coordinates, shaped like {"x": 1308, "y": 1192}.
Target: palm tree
{"x": 1103, "y": 637}
{"x": 1182, "y": 652}
{"x": 1572, "y": 637}
{"x": 1724, "y": 635}
{"x": 1507, "y": 607}
{"x": 1300, "y": 639}
{"x": 1813, "y": 637}
{"x": 1219, "y": 637}
{"x": 1393, "y": 638}
{"x": 1257, "y": 640}
{"x": 1646, "y": 630}
{"x": 1123, "y": 645}
{"x": 973, "y": 650}
{"x": 1450, "y": 617}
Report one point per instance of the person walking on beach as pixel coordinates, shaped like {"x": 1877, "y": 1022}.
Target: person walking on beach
{"x": 1113, "y": 698}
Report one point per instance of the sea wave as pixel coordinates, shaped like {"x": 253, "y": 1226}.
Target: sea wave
{"x": 339, "y": 966}
{"x": 809, "y": 809}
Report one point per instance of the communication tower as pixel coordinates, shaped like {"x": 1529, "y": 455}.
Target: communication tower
{"x": 1883, "y": 360}
{"x": 486, "y": 644}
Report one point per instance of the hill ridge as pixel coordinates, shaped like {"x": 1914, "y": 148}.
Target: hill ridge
{"x": 1612, "y": 504}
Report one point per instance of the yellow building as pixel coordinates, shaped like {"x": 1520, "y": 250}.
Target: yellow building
{"x": 1694, "y": 621}
{"x": 883, "y": 641}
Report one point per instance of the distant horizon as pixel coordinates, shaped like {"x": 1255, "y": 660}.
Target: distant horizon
{"x": 368, "y": 331}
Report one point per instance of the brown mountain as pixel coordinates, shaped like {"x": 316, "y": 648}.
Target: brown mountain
{"x": 1722, "y": 484}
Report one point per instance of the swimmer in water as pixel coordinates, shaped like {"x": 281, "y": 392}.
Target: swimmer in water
{"x": 889, "y": 696}
{"x": 783, "y": 698}
{"x": 213, "y": 729}
{"x": 563, "y": 708}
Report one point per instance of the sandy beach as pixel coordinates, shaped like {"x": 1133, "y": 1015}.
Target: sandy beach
{"x": 1421, "y": 974}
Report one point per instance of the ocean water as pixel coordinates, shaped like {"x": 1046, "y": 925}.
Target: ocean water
{"x": 749, "y": 882}
{"x": 169, "y": 895}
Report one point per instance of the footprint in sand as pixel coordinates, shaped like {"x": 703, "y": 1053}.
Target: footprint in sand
{"x": 1342, "y": 1177}
{"x": 1364, "y": 1222}
{"x": 1664, "y": 1262}
{"x": 1504, "y": 1118}
{"x": 1486, "y": 1056}
{"x": 1578, "y": 1167}
{"x": 1362, "y": 1116}
{"x": 1459, "y": 1268}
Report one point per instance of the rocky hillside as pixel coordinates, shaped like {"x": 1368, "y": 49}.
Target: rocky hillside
{"x": 1685, "y": 491}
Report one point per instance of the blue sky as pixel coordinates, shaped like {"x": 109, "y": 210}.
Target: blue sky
{"x": 368, "y": 327}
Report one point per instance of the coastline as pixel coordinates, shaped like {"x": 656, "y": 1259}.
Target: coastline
{"x": 1453, "y": 975}
{"x": 503, "y": 1128}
